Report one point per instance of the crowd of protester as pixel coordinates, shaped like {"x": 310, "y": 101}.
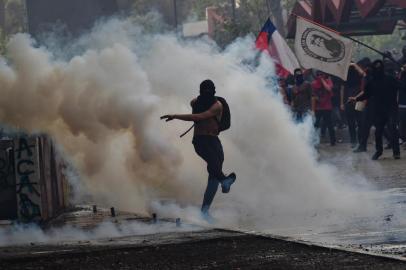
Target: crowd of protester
{"x": 374, "y": 95}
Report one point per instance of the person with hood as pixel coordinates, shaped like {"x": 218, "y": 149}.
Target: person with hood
{"x": 207, "y": 111}
{"x": 352, "y": 87}
{"x": 381, "y": 91}
{"x": 301, "y": 96}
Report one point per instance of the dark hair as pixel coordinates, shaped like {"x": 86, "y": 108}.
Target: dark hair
{"x": 297, "y": 69}
{"x": 364, "y": 62}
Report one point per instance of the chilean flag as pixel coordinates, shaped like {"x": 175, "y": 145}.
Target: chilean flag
{"x": 271, "y": 41}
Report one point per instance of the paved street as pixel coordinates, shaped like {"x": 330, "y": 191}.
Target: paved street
{"x": 211, "y": 249}
{"x": 385, "y": 173}
{"x": 194, "y": 247}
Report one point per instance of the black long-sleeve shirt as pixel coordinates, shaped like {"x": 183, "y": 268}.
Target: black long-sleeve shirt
{"x": 382, "y": 94}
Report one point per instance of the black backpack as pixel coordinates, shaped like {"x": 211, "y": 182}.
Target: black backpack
{"x": 225, "y": 122}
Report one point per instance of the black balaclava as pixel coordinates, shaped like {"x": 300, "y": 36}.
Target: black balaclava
{"x": 364, "y": 62}
{"x": 299, "y": 79}
{"x": 378, "y": 72}
{"x": 206, "y": 99}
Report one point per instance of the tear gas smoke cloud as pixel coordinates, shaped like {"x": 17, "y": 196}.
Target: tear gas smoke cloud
{"x": 20, "y": 235}
{"x": 103, "y": 106}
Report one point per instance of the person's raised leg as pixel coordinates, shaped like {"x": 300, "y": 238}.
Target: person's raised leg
{"x": 215, "y": 166}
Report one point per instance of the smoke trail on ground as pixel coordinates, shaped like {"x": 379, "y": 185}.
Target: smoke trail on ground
{"x": 20, "y": 235}
{"x": 103, "y": 106}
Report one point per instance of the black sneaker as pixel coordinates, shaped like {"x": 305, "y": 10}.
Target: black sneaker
{"x": 376, "y": 155}
{"x": 226, "y": 183}
{"x": 396, "y": 156}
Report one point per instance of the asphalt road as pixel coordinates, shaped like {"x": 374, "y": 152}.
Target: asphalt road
{"x": 228, "y": 251}
{"x": 219, "y": 249}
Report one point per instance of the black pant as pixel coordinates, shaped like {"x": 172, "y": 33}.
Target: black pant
{"x": 389, "y": 119}
{"x": 368, "y": 118}
{"x": 325, "y": 115}
{"x": 354, "y": 121}
{"x": 299, "y": 116}
{"x": 209, "y": 148}
{"x": 337, "y": 117}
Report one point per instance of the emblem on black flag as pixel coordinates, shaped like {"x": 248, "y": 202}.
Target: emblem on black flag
{"x": 322, "y": 46}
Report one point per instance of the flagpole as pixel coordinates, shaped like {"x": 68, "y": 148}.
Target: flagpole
{"x": 372, "y": 48}
{"x": 350, "y": 38}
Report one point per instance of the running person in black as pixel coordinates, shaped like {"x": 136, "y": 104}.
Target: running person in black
{"x": 207, "y": 113}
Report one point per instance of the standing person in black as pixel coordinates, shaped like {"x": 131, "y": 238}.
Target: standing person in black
{"x": 381, "y": 92}
{"x": 352, "y": 88}
{"x": 207, "y": 113}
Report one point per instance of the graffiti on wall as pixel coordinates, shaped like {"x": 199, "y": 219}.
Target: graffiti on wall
{"x": 27, "y": 179}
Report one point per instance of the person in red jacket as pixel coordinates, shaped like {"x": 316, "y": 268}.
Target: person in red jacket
{"x": 322, "y": 88}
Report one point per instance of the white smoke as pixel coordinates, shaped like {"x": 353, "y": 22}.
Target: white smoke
{"x": 20, "y": 235}
{"x": 103, "y": 106}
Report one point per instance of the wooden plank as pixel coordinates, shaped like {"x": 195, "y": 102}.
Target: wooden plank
{"x": 44, "y": 197}
{"x": 47, "y": 175}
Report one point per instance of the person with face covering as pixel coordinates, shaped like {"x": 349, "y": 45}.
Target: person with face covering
{"x": 381, "y": 91}
{"x": 352, "y": 87}
{"x": 301, "y": 96}
{"x": 322, "y": 94}
{"x": 206, "y": 114}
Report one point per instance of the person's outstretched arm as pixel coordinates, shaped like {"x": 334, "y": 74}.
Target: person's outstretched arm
{"x": 210, "y": 113}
